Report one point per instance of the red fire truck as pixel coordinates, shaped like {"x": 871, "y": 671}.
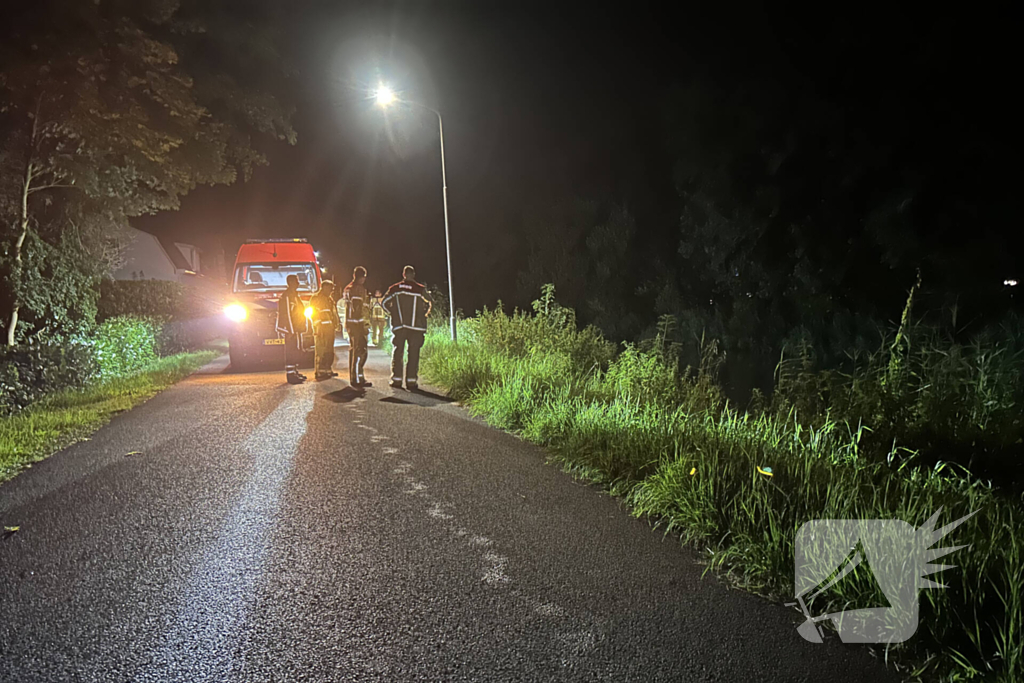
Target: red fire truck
{"x": 261, "y": 270}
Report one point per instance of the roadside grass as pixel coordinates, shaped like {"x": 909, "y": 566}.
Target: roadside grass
{"x": 385, "y": 342}
{"x": 69, "y": 416}
{"x": 665, "y": 440}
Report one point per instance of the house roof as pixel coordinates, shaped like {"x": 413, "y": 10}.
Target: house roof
{"x": 178, "y": 259}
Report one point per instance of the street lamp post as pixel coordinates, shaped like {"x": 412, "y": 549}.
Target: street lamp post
{"x": 386, "y": 96}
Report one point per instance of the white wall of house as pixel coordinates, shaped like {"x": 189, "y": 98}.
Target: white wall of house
{"x": 145, "y": 259}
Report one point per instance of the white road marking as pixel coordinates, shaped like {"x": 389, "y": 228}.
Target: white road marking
{"x": 415, "y": 486}
{"x": 495, "y": 573}
{"x": 578, "y": 634}
{"x": 437, "y": 512}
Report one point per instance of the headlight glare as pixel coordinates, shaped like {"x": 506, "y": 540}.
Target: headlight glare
{"x": 236, "y": 312}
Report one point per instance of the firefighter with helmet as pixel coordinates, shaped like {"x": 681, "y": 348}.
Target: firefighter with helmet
{"x": 408, "y": 307}
{"x": 325, "y": 323}
{"x": 357, "y": 307}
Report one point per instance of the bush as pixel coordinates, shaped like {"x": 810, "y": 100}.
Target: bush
{"x": 159, "y": 299}
{"x": 187, "y": 316}
{"x": 178, "y": 336}
{"x": 551, "y": 329}
{"x": 125, "y": 345}
{"x": 118, "y": 347}
{"x": 439, "y": 312}
{"x": 56, "y": 286}
{"x": 143, "y": 299}
{"x": 27, "y": 373}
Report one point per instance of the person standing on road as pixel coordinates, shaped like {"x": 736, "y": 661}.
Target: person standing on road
{"x": 291, "y": 324}
{"x": 408, "y": 307}
{"x": 325, "y": 323}
{"x": 356, "y": 300}
{"x": 378, "y": 318}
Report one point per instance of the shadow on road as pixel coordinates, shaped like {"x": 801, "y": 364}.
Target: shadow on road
{"x": 431, "y": 396}
{"x": 418, "y": 397}
{"x": 345, "y": 395}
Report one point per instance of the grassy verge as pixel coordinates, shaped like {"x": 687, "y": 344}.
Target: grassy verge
{"x": 66, "y": 417}
{"x": 385, "y": 342}
{"x": 665, "y": 440}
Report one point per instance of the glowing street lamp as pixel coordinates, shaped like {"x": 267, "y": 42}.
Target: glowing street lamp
{"x": 386, "y": 96}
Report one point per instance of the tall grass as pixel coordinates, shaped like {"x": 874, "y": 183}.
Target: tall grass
{"x": 664, "y": 438}
{"x": 941, "y": 400}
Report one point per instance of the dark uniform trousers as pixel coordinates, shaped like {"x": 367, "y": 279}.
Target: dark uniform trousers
{"x": 292, "y": 356}
{"x": 356, "y": 351}
{"x": 415, "y": 340}
{"x": 324, "y": 345}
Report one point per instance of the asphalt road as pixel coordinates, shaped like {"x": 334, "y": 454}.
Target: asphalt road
{"x": 267, "y": 532}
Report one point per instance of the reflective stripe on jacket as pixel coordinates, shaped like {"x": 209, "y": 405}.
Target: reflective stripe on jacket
{"x": 407, "y": 305}
{"x": 325, "y": 309}
{"x": 377, "y": 312}
{"x": 291, "y": 314}
{"x": 354, "y": 297}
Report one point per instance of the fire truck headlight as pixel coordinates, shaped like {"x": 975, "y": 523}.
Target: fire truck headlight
{"x": 309, "y": 312}
{"x": 236, "y": 312}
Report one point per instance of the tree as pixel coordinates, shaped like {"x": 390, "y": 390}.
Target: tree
{"x": 581, "y": 247}
{"x": 102, "y": 120}
{"x": 820, "y": 169}
{"x": 787, "y": 228}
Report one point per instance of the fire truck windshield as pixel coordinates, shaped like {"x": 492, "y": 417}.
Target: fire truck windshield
{"x": 267, "y": 277}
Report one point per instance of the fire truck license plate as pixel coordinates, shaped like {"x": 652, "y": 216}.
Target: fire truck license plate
{"x": 271, "y": 342}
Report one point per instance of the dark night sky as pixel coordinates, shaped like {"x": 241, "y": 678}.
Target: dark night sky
{"x": 540, "y": 101}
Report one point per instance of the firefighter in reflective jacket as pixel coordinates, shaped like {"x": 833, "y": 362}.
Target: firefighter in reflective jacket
{"x": 325, "y": 322}
{"x": 356, "y": 300}
{"x": 378, "y": 318}
{"x": 292, "y": 324}
{"x": 408, "y": 307}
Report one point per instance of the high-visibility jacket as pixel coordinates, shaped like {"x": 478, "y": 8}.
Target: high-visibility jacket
{"x": 377, "y": 312}
{"x": 291, "y": 314}
{"x": 325, "y": 309}
{"x": 407, "y": 304}
{"x": 355, "y": 296}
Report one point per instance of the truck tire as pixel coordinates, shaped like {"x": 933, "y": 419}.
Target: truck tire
{"x": 237, "y": 359}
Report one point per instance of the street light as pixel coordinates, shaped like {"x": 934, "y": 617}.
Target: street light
{"x": 386, "y": 96}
